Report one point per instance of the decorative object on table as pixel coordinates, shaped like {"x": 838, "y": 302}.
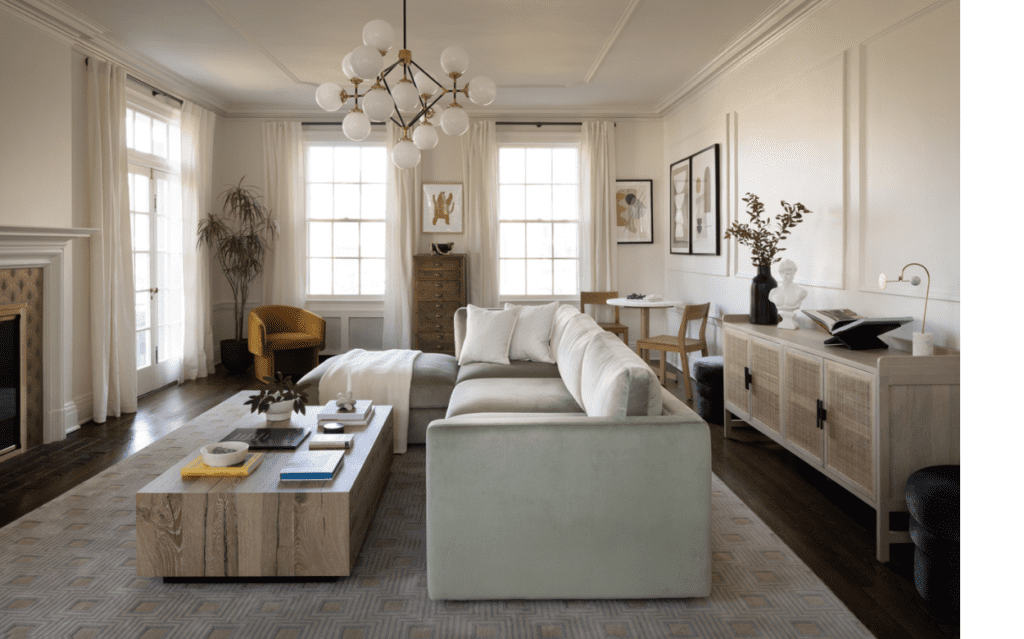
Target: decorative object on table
{"x": 239, "y": 237}
{"x": 410, "y": 98}
{"x": 224, "y": 453}
{"x": 862, "y": 334}
{"x": 330, "y": 425}
{"x": 788, "y": 297}
{"x": 319, "y": 465}
{"x": 829, "y": 319}
{"x": 634, "y": 211}
{"x": 679, "y": 207}
{"x": 344, "y": 402}
{"x": 635, "y": 296}
{"x": 923, "y": 343}
{"x": 285, "y": 338}
{"x": 600, "y": 298}
{"x": 442, "y": 248}
{"x": 764, "y": 246}
{"x": 442, "y": 208}
{"x": 197, "y": 468}
{"x": 362, "y": 410}
{"x": 268, "y": 438}
{"x": 331, "y": 441}
{"x": 280, "y": 398}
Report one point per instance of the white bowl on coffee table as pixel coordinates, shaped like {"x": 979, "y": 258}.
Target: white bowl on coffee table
{"x": 222, "y": 454}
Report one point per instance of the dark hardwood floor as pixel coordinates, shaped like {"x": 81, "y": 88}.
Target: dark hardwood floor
{"x": 828, "y": 528}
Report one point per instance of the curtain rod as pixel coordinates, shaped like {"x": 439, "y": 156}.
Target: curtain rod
{"x": 149, "y": 86}
{"x": 335, "y": 123}
{"x": 539, "y": 124}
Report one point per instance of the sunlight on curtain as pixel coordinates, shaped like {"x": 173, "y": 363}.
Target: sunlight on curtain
{"x": 403, "y": 186}
{"x": 284, "y": 176}
{"x": 480, "y": 171}
{"x": 599, "y": 264}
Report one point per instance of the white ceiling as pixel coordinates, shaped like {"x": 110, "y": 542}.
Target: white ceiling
{"x": 548, "y": 57}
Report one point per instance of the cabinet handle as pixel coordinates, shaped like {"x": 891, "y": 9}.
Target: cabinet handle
{"x": 748, "y": 379}
{"x": 822, "y": 414}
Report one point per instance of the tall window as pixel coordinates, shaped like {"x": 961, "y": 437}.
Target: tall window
{"x": 538, "y": 219}
{"x": 153, "y": 138}
{"x": 345, "y": 208}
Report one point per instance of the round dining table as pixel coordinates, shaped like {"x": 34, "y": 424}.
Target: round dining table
{"x": 645, "y": 307}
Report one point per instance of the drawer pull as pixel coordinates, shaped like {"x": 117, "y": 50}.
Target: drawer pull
{"x": 748, "y": 379}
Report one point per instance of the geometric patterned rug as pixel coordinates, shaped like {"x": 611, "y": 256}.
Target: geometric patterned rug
{"x": 67, "y": 569}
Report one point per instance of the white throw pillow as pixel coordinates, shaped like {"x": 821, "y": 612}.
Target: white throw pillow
{"x": 532, "y": 338}
{"x": 488, "y": 335}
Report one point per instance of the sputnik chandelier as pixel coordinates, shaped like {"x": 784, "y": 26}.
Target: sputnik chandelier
{"x": 412, "y": 98}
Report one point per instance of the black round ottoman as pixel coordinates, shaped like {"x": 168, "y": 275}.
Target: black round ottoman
{"x": 933, "y": 499}
{"x": 708, "y": 399}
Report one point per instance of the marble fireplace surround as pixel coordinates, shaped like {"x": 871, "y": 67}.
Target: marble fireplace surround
{"x": 50, "y": 249}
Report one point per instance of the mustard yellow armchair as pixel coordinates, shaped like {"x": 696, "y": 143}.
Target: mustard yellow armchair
{"x": 286, "y": 339}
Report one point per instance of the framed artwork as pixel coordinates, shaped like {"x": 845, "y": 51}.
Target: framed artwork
{"x": 704, "y": 236}
{"x": 679, "y": 207}
{"x": 634, "y": 218}
{"x": 442, "y": 208}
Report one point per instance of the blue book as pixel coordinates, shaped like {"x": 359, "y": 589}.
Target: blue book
{"x": 317, "y": 465}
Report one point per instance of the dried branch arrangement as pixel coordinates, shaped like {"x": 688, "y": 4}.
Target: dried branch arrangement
{"x": 757, "y": 234}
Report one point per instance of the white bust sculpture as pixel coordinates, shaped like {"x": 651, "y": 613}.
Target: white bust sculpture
{"x": 787, "y": 297}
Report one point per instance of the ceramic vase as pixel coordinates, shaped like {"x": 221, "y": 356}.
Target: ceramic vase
{"x": 279, "y": 411}
{"x": 762, "y": 310}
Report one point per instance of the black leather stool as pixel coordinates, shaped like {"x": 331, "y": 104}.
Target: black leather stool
{"x": 933, "y": 499}
{"x": 708, "y": 399}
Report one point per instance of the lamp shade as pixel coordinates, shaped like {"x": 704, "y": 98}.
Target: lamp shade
{"x": 407, "y": 99}
{"x": 405, "y": 155}
{"x": 378, "y": 105}
{"x": 356, "y": 125}
{"x": 424, "y": 84}
{"x": 328, "y": 96}
{"x": 346, "y": 66}
{"x": 366, "y": 62}
{"x": 454, "y": 60}
{"x": 454, "y": 120}
{"x": 482, "y": 90}
{"x": 425, "y": 136}
{"x": 379, "y": 35}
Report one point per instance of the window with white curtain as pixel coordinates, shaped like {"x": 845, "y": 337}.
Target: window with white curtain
{"x": 538, "y": 218}
{"x": 153, "y": 138}
{"x": 345, "y": 209}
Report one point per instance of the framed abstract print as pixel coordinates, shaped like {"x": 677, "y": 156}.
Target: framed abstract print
{"x": 704, "y": 202}
{"x": 442, "y": 208}
{"x": 634, "y": 218}
{"x": 679, "y": 207}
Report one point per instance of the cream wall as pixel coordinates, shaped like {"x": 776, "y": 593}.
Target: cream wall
{"x": 854, "y": 113}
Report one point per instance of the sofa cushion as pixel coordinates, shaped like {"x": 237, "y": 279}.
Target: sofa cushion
{"x": 562, "y": 317}
{"x": 577, "y": 334}
{"x": 531, "y": 339}
{"x": 483, "y": 370}
{"x": 616, "y": 383}
{"x": 511, "y": 396}
{"x": 433, "y": 378}
{"x": 488, "y": 335}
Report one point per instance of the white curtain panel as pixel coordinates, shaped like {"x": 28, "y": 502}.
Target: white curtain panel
{"x": 284, "y": 275}
{"x": 197, "y": 126}
{"x": 112, "y": 294}
{"x": 403, "y": 186}
{"x": 480, "y": 210}
{"x": 599, "y": 254}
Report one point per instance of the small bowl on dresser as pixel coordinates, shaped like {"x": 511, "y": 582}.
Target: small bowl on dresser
{"x": 222, "y": 454}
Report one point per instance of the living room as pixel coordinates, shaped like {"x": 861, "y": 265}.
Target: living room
{"x": 828, "y": 103}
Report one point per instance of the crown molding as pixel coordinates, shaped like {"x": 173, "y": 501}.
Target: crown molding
{"x": 775, "y": 23}
{"x": 91, "y": 39}
{"x": 560, "y": 113}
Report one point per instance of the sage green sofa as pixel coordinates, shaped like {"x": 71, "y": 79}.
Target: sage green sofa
{"x": 575, "y": 480}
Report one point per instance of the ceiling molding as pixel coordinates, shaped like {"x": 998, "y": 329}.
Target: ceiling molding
{"x": 616, "y": 32}
{"x": 775, "y": 23}
{"x": 56, "y": 19}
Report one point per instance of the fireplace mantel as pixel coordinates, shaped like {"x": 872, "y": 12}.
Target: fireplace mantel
{"x": 49, "y": 248}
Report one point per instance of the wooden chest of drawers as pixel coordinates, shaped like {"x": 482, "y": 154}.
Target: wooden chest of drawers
{"x": 440, "y": 289}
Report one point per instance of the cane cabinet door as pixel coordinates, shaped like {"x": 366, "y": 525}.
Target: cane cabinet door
{"x": 803, "y": 398}
{"x": 737, "y": 393}
{"x": 766, "y": 384}
{"x": 849, "y": 425}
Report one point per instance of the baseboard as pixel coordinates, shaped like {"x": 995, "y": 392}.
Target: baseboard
{"x": 83, "y": 410}
{"x": 71, "y": 423}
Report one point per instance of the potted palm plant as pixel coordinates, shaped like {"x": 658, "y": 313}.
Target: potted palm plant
{"x": 239, "y": 237}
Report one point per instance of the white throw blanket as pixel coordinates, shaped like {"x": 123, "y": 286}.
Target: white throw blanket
{"x": 382, "y": 376}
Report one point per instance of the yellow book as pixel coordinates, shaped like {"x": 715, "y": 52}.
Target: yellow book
{"x": 196, "y": 468}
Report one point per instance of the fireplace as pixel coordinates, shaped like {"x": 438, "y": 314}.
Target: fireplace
{"x": 13, "y": 348}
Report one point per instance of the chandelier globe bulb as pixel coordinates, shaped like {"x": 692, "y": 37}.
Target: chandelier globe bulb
{"x": 356, "y": 125}
{"x": 379, "y": 35}
{"x": 405, "y": 155}
{"x": 454, "y": 120}
{"x": 328, "y": 96}
{"x": 366, "y": 62}
{"x": 454, "y": 59}
{"x": 378, "y": 105}
{"x": 482, "y": 90}
{"x": 425, "y": 136}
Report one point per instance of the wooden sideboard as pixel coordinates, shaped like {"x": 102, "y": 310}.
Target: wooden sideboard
{"x": 866, "y": 419}
{"x": 440, "y": 289}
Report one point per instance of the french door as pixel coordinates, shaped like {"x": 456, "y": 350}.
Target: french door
{"x": 155, "y": 204}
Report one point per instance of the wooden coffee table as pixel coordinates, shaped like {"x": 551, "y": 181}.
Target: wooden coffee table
{"x": 259, "y": 526}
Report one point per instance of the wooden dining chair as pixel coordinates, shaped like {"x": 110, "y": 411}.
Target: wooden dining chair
{"x": 680, "y": 343}
{"x": 597, "y": 298}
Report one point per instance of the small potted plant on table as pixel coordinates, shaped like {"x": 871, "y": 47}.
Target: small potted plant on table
{"x": 279, "y": 398}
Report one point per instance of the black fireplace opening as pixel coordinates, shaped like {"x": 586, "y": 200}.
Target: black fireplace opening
{"x": 10, "y": 384}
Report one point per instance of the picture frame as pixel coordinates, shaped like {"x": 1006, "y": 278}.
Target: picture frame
{"x": 634, "y": 211}
{"x": 679, "y": 207}
{"x": 442, "y": 207}
{"x": 695, "y": 204}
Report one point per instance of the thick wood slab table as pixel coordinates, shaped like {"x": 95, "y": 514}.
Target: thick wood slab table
{"x": 259, "y": 526}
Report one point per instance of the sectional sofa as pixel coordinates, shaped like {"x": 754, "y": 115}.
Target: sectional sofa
{"x": 579, "y": 477}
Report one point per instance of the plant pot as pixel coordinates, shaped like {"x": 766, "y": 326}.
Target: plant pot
{"x": 762, "y": 310}
{"x": 235, "y": 356}
{"x": 279, "y": 411}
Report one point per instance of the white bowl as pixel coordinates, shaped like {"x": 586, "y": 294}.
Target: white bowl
{"x": 224, "y": 453}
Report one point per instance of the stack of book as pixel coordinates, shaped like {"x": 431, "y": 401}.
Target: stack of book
{"x": 196, "y": 468}
{"x": 312, "y": 466}
{"x": 335, "y": 419}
